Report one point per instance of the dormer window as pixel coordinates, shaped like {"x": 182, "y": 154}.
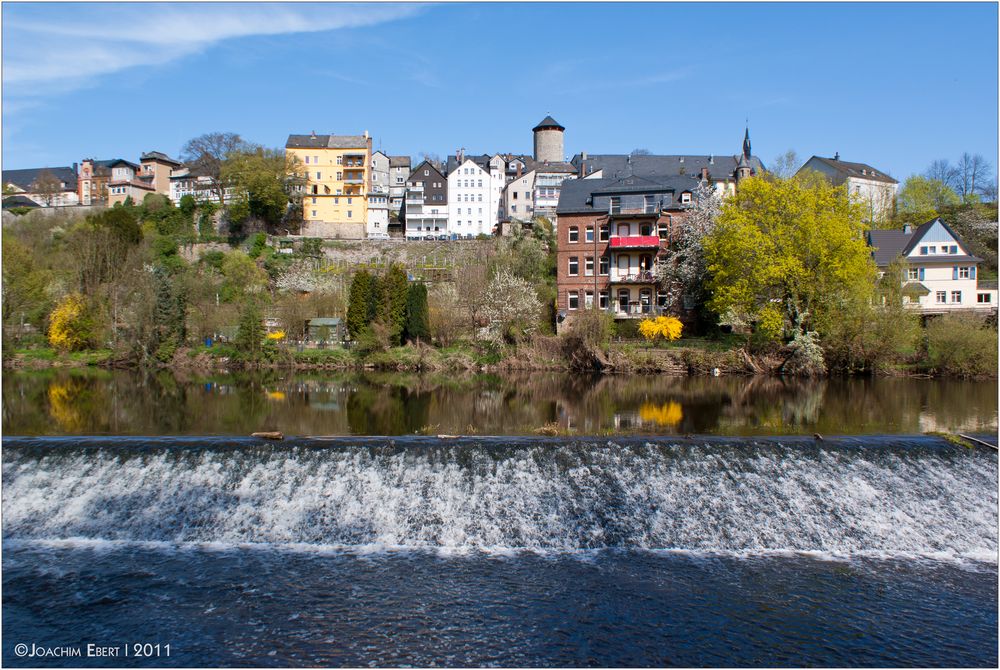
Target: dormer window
{"x": 685, "y": 198}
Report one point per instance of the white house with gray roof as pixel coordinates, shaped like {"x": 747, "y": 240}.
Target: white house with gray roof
{"x": 940, "y": 274}
{"x": 865, "y": 184}
{"x": 475, "y": 186}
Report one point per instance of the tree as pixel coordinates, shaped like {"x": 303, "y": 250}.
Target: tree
{"x": 683, "y": 272}
{"x": 639, "y": 152}
{"x": 417, "y": 313}
{"x": 510, "y": 310}
{"x": 925, "y": 198}
{"x": 206, "y": 153}
{"x": 784, "y": 253}
{"x": 25, "y": 285}
{"x": 360, "y": 298}
{"x": 392, "y": 299}
{"x": 250, "y": 333}
{"x": 785, "y": 165}
{"x": 47, "y": 186}
{"x": 265, "y": 178}
{"x": 974, "y": 173}
{"x": 944, "y": 172}
{"x": 241, "y": 277}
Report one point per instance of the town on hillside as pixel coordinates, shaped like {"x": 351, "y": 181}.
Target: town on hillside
{"x": 614, "y": 215}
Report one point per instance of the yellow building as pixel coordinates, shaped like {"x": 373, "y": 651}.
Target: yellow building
{"x": 338, "y": 172}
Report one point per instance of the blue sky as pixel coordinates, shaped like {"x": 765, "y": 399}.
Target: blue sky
{"x": 894, "y": 85}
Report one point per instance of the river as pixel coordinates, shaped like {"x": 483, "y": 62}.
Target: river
{"x": 712, "y": 529}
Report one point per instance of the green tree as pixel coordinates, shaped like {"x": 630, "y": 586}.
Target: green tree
{"x": 359, "y": 303}
{"x": 241, "y": 277}
{"x": 206, "y": 154}
{"x": 393, "y": 292}
{"x": 265, "y": 178}
{"x": 785, "y": 252}
{"x": 25, "y": 285}
{"x": 417, "y": 320}
{"x": 922, "y": 198}
{"x": 250, "y": 333}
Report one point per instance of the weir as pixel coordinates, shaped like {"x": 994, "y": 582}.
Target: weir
{"x": 841, "y": 496}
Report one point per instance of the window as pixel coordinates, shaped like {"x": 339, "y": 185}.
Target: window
{"x": 348, "y": 201}
{"x": 340, "y": 175}
{"x": 315, "y": 159}
{"x": 336, "y": 200}
{"x": 399, "y": 180}
{"x": 983, "y": 298}
{"x": 427, "y": 173}
{"x": 661, "y": 299}
{"x": 685, "y": 198}
{"x": 941, "y": 297}
{"x": 340, "y": 160}
{"x": 314, "y": 213}
{"x": 954, "y": 249}
{"x": 574, "y": 299}
{"x": 588, "y": 299}
{"x": 589, "y": 234}
{"x": 307, "y": 160}
{"x": 513, "y": 208}
{"x": 314, "y": 201}
{"x": 932, "y": 250}
{"x": 664, "y": 230}
{"x": 574, "y": 234}
{"x": 615, "y": 205}
{"x": 348, "y": 214}
{"x": 605, "y": 231}
{"x": 319, "y": 175}
{"x": 574, "y": 266}
{"x": 480, "y": 198}
{"x": 515, "y": 195}
{"x": 956, "y": 296}
{"x": 480, "y": 185}
{"x": 912, "y": 274}
{"x": 963, "y": 273}
{"x": 649, "y": 204}
{"x": 588, "y": 266}
{"x": 923, "y": 251}
{"x": 605, "y": 266}
{"x": 602, "y": 299}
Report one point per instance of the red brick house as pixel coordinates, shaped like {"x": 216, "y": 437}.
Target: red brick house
{"x": 611, "y": 233}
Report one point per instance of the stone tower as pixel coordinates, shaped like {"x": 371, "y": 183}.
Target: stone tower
{"x": 549, "y": 141}
{"x": 744, "y": 168}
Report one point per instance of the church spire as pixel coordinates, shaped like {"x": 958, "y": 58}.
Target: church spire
{"x": 746, "y": 143}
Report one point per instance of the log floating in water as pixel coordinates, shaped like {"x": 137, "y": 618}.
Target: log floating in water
{"x": 269, "y": 435}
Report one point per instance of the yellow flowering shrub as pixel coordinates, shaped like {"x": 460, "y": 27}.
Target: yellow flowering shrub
{"x": 70, "y": 327}
{"x": 276, "y": 336}
{"x": 666, "y": 327}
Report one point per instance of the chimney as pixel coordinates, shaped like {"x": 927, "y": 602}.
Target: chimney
{"x": 518, "y": 175}
{"x": 704, "y": 174}
{"x": 366, "y": 134}
{"x": 836, "y": 156}
{"x": 711, "y": 160}
{"x": 313, "y": 136}
{"x": 583, "y": 155}
{"x": 907, "y": 229}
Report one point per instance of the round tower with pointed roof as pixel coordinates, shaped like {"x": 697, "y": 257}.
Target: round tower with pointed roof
{"x": 744, "y": 168}
{"x": 549, "y": 141}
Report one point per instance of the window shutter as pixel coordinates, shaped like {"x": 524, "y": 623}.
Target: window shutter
{"x": 972, "y": 272}
{"x": 921, "y": 274}
{"x": 954, "y": 272}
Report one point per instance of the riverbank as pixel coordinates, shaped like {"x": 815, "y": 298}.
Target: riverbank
{"x": 689, "y": 357}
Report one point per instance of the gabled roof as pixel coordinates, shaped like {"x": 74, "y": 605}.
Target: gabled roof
{"x": 326, "y": 142}
{"x": 548, "y": 122}
{"x": 890, "y": 244}
{"x": 720, "y": 167}
{"x": 482, "y": 161}
{"x": 420, "y": 167}
{"x": 399, "y": 161}
{"x": 19, "y": 201}
{"x": 158, "y": 156}
{"x": 120, "y": 161}
{"x": 25, "y": 179}
{"x": 575, "y": 193}
{"x": 856, "y": 170}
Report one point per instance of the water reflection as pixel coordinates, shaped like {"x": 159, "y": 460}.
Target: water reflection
{"x": 125, "y": 402}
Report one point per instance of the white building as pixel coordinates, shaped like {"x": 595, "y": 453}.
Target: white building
{"x": 518, "y": 197}
{"x": 47, "y": 187}
{"x": 874, "y": 188}
{"x": 475, "y": 188}
{"x": 399, "y": 170}
{"x": 425, "y": 207}
{"x": 187, "y": 181}
{"x": 940, "y": 274}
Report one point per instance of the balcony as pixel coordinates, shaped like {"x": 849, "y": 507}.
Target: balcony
{"x": 635, "y": 310}
{"x": 641, "y": 277}
{"x": 354, "y": 179}
{"x": 635, "y": 242}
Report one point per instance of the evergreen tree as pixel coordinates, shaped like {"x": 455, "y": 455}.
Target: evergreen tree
{"x": 250, "y": 334}
{"x": 417, "y": 321}
{"x": 359, "y": 303}
{"x": 392, "y": 310}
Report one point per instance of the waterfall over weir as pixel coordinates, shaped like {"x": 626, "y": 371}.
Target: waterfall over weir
{"x": 867, "y": 496}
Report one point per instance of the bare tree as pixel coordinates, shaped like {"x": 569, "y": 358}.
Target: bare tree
{"x": 48, "y": 186}
{"x": 640, "y": 152}
{"x": 944, "y": 172}
{"x": 974, "y": 172}
{"x": 785, "y": 165}
{"x": 206, "y": 153}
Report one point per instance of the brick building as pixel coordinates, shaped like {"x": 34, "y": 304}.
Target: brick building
{"x": 611, "y": 233}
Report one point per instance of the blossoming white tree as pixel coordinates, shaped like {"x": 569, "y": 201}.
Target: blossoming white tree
{"x": 510, "y": 308}
{"x": 683, "y": 271}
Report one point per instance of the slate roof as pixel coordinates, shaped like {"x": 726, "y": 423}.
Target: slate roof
{"x": 326, "y": 142}
{"x": 857, "y": 170}
{"x": 399, "y": 161}
{"x": 158, "y": 156}
{"x": 19, "y": 201}
{"x": 575, "y": 193}
{"x": 24, "y": 179}
{"x": 548, "y": 122}
{"x": 482, "y": 161}
{"x": 890, "y": 244}
{"x": 720, "y": 167}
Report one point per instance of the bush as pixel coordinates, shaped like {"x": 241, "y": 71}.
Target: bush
{"x": 592, "y": 326}
{"x": 665, "y": 328}
{"x": 806, "y": 358}
{"x": 71, "y": 327}
{"x": 962, "y": 345}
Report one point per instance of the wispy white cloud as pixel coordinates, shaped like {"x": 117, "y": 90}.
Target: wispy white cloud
{"x": 54, "y": 48}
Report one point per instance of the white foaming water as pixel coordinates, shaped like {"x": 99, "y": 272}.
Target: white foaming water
{"x": 729, "y": 499}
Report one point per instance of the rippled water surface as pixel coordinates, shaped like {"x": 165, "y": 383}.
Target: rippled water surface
{"x": 503, "y": 551}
